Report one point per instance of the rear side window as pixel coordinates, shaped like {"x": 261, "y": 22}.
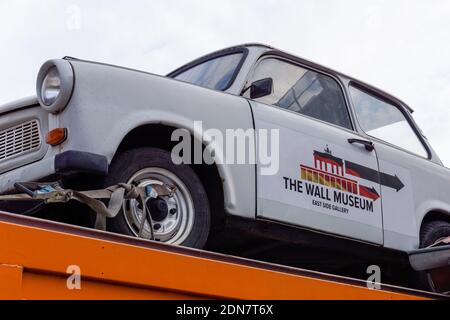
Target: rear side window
{"x": 385, "y": 121}
{"x": 216, "y": 73}
{"x": 304, "y": 91}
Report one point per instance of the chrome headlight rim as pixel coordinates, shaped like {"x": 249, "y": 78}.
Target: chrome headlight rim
{"x": 66, "y": 78}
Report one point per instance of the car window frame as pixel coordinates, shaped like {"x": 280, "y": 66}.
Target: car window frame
{"x": 212, "y": 56}
{"x": 273, "y": 55}
{"x": 399, "y": 107}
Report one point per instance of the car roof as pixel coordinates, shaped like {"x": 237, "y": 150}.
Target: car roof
{"x": 276, "y": 51}
{"x": 358, "y": 82}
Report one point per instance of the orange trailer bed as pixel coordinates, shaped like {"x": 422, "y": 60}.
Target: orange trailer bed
{"x": 35, "y": 255}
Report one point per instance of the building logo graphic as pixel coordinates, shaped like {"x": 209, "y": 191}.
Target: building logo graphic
{"x": 330, "y": 172}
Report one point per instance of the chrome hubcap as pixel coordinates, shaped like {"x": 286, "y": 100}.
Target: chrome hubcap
{"x": 172, "y": 217}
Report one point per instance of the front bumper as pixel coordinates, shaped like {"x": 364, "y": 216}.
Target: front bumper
{"x": 64, "y": 163}
{"x": 81, "y": 162}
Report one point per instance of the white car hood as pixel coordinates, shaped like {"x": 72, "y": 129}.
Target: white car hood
{"x": 19, "y": 104}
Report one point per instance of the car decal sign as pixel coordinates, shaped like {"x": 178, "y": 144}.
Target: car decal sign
{"x": 335, "y": 183}
{"x": 387, "y": 180}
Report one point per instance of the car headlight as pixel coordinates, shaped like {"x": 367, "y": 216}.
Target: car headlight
{"x": 51, "y": 87}
{"x": 54, "y": 85}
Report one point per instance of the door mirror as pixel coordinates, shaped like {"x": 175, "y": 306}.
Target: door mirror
{"x": 261, "y": 88}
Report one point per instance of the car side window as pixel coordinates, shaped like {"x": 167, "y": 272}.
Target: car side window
{"x": 385, "y": 121}
{"x": 304, "y": 91}
{"x": 216, "y": 73}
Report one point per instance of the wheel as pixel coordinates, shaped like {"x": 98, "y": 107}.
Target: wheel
{"x": 183, "y": 219}
{"x": 431, "y": 233}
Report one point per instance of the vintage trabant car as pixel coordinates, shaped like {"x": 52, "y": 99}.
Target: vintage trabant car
{"x": 350, "y": 166}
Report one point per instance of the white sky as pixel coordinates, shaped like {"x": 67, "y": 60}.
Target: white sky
{"x": 400, "y": 46}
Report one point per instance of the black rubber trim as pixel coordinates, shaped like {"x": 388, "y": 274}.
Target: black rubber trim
{"x": 81, "y": 162}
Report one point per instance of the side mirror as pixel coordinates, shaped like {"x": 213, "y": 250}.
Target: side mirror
{"x": 261, "y": 88}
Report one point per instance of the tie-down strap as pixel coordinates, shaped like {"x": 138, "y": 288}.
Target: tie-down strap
{"x": 53, "y": 193}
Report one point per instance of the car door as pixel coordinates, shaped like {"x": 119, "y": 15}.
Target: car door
{"x": 327, "y": 177}
{"x": 405, "y": 172}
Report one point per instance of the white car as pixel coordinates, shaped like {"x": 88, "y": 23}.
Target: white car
{"x": 355, "y": 171}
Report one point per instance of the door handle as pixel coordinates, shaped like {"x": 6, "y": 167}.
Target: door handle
{"x": 367, "y": 144}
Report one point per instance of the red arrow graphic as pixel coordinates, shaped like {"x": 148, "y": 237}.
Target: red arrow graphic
{"x": 367, "y": 192}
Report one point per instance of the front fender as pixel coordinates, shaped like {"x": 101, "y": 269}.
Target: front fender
{"x": 108, "y": 102}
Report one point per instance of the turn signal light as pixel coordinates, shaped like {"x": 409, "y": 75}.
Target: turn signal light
{"x": 56, "y": 136}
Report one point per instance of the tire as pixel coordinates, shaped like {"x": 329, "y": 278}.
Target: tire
{"x": 430, "y": 233}
{"x": 188, "y": 226}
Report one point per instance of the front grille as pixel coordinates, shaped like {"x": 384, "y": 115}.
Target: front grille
{"x": 20, "y": 139}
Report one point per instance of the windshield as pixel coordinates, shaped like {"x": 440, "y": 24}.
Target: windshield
{"x": 217, "y": 73}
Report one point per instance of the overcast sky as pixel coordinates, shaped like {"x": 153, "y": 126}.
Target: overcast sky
{"x": 400, "y": 46}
